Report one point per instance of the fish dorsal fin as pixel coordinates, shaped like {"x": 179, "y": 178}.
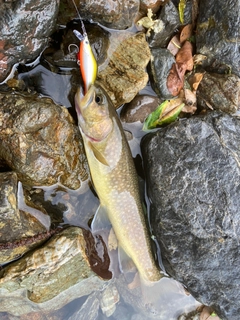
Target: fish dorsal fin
{"x": 100, "y": 220}
{"x": 126, "y": 264}
{"x": 98, "y": 154}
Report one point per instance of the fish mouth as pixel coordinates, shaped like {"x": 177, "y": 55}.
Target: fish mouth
{"x": 83, "y": 101}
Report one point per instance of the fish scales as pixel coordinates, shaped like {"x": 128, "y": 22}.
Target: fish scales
{"x": 115, "y": 180}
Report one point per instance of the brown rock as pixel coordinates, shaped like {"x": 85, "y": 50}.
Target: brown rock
{"x": 39, "y": 141}
{"x": 125, "y": 74}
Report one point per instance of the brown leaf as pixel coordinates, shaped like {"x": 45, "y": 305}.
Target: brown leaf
{"x": 184, "y": 57}
{"x": 190, "y": 101}
{"x": 195, "y": 80}
{"x": 175, "y": 80}
{"x": 186, "y": 33}
{"x": 174, "y": 45}
{"x": 206, "y": 314}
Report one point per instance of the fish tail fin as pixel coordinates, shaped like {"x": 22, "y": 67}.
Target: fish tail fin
{"x": 166, "y": 296}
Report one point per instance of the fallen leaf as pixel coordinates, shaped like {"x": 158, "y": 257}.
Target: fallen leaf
{"x": 184, "y": 56}
{"x": 194, "y": 80}
{"x": 165, "y": 113}
{"x": 198, "y": 58}
{"x": 175, "y": 80}
{"x": 181, "y": 8}
{"x": 186, "y": 33}
{"x": 190, "y": 101}
{"x": 206, "y": 314}
{"x": 174, "y": 45}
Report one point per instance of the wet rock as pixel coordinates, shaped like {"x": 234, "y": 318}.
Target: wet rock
{"x": 39, "y": 141}
{"x": 19, "y": 43}
{"x": 63, "y": 257}
{"x": 154, "y": 5}
{"x": 19, "y": 230}
{"x": 109, "y": 299}
{"x": 159, "y": 69}
{"x": 170, "y": 17}
{"x": 125, "y": 73}
{"x": 192, "y": 169}
{"x": 219, "y": 91}
{"x": 218, "y": 34}
{"x": 114, "y": 15}
{"x": 139, "y": 108}
{"x": 89, "y": 309}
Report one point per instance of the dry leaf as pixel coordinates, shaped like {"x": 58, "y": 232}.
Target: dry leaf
{"x": 184, "y": 56}
{"x": 199, "y": 58}
{"x": 175, "y": 80}
{"x": 174, "y": 45}
{"x": 186, "y": 33}
{"x": 194, "y": 80}
{"x": 206, "y": 314}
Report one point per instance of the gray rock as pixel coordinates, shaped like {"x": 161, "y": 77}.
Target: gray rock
{"x": 193, "y": 175}
{"x": 24, "y": 30}
{"x": 218, "y": 33}
{"x": 159, "y": 69}
{"x": 219, "y": 91}
{"x": 114, "y": 15}
{"x": 40, "y": 142}
{"x": 170, "y": 17}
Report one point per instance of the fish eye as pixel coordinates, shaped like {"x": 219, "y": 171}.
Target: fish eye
{"x": 99, "y": 99}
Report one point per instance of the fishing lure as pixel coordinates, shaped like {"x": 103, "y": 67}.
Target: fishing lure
{"x": 87, "y": 61}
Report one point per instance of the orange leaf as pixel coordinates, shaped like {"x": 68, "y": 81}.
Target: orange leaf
{"x": 175, "y": 80}
{"x": 195, "y": 80}
{"x": 186, "y": 33}
{"x": 184, "y": 56}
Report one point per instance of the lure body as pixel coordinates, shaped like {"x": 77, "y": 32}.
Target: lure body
{"x": 87, "y": 61}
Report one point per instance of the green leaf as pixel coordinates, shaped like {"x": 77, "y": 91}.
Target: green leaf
{"x": 181, "y": 8}
{"x": 165, "y": 113}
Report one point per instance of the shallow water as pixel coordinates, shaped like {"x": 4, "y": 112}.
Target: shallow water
{"x": 79, "y": 208}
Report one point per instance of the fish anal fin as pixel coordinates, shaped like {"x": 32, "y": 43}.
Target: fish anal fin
{"x": 112, "y": 240}
{"x": 100, "y": 221}
{"x": 98, "y": 155}
{"x": 126, "y": 264}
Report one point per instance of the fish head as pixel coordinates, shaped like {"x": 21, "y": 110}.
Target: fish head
{"x": 94, "y": 113}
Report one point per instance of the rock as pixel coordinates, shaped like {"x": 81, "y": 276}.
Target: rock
{"x": 21, "y": 43}
{"x": 192, "y": 169}
{"x": 125, "y": 73}
{"x": 63, "y": 257}
{"x": 159, "y": 70}
{"x": 19, "y": 230}
{"x": 39, "y": 141}
{"x": 139, "y": 108}
{"x": 154, "y": 5}
{"x": 113, "y": 15}
{"x": 170, "y": 17}
{"x": 109, "y": 299}
{"x": 218, "y": 34}
{"x": 219, "y": 91}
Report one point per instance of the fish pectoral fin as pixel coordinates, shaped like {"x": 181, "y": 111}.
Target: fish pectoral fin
{"x": 126, "y": 264}
{"x": 98, "y": 155}
{"x": 100, "y": 220}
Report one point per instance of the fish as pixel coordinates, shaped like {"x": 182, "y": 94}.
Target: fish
{"x": 86, "y": 59}
{"x": 115, "y": 179}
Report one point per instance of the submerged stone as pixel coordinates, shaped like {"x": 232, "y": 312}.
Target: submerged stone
{"x": 19, "y": 230}
{"x": 192, "y": 169}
